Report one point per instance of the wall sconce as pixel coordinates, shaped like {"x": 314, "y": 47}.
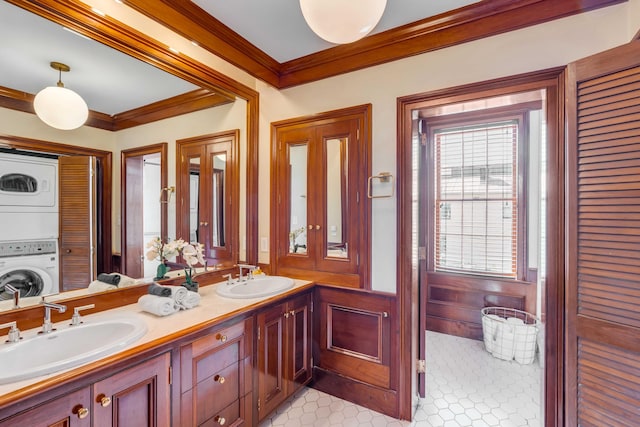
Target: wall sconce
{"x": 60, "y": 107}
{"x": 340, "y": 21}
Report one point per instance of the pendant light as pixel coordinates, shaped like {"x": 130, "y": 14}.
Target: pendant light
{"x": 60, "y": 107}
{"x": 342, "y": 21}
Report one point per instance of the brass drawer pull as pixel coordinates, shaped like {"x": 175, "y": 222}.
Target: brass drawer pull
{"x": 221, "y": 338}
{"x": 220, "y": 420}
{"x": 82, "y": 412}
{"x": 104, "y": 400}
{"x": 219, "y": 379}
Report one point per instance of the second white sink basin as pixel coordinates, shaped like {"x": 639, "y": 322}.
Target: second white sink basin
{"x": 72, "y": 346}
{"x": 259, "y": 286}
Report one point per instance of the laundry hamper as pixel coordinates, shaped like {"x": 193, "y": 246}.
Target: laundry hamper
{"x": 510, "y": 334}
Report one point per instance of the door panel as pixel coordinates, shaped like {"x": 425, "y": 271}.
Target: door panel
{"x": 603, "y": 323}
{"x": 77, "y": 221}
{"x": 133, "y": 218}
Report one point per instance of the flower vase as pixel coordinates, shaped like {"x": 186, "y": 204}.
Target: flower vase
{"x": 191, "y": 286}
{"x": 161, "y": 271}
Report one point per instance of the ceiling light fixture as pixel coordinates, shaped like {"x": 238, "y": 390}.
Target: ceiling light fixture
{"x": 340, "y": 21}
{"x": 60, "y": 107}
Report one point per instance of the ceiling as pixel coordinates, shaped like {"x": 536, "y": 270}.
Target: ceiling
{"x": 268, "y": 39}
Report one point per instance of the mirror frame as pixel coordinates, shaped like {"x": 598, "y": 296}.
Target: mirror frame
{"x": 79, "y": 17}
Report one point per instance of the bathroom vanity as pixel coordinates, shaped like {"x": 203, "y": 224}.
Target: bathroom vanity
{"x": 195, "y": 367}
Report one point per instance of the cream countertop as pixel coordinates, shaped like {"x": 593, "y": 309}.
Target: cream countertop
{"x": 212, "y": 308}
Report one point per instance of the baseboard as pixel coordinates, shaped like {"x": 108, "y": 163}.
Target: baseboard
{"x": 375, "y": 398}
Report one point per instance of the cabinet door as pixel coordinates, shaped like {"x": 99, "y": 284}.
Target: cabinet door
{"x": 271, "y": 353}
{"x": 299, "y": 342}
{"x": 71, "y": 410}
{"x": 138, "y": 396}
{"x": 208, "y": 184}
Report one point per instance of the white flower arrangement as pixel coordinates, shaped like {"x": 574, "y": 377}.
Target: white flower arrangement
{"x": 193, "y": 254}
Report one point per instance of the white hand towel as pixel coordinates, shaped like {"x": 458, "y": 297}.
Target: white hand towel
{"x": 98, "y": 286}
{"x": 160, "y": 306}
{"x": 178, "y": 293}
{"x": 191, "y": 300}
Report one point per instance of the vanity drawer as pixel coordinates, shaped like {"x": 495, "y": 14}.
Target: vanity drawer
{"x": 218, "y": 338}
{"x": 213, "y": 362}
{"x": 237, "y": 414}
{"x": 216, "y": 392}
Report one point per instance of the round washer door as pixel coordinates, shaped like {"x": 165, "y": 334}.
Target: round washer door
{"x": 29, "y": 281}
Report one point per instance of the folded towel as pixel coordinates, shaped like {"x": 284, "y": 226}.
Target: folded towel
{"x": 112, "y": 279}
{"x": 160, "y": 306}
{"x": 158, "y": 290}
{"x": 126, "y": 281}
{"x": 178, "y": 293}
{"x": 98, "y": 286}
{"x": 190, "y": 300}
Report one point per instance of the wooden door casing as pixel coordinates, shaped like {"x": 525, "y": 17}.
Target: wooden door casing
{"x": 132, "y": 210}
{"x": 603, "y": 322}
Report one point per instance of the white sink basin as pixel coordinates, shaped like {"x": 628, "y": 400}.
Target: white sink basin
{"x": 260, "y": 286}
{"x": 72, "y": 346}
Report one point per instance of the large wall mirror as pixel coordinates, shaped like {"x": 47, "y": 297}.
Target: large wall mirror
{"x": 231, "y": 95}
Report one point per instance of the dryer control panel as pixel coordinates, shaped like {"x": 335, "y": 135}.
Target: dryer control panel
{"x": 28, "y": 248}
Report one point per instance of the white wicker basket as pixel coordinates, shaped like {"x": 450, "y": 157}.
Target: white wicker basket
{"x": 510, "y": 334}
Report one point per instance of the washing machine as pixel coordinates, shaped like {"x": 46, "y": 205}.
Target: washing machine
{"x": 30, "y": 266}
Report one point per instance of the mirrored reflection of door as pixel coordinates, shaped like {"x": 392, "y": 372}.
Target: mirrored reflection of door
{"x": 144, "y": 206}
{"x": 298, "y": 154}
{"x": 336, "y": 166}
{"x": 209, "y": 194}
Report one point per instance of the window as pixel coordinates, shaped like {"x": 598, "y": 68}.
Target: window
{"x": 476, "y": 198}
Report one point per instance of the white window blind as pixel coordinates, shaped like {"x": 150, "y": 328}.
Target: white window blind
{"x": 476, "y": 203}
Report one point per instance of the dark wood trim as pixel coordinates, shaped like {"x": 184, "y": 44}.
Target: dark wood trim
{"x": 553, "y": 81}
{"x": 182, "y": 104}
{"x": 78, "y": 16}
{"x": 479, "y": 20}
{"x": 104, "y": 238}
{"x": 161, "y": 148}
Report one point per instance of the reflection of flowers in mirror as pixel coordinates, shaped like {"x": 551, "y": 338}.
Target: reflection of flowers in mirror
{"x": 161, "y": 251}
{"x": 295, "y": 233}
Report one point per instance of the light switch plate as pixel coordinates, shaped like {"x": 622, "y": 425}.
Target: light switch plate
{"x": 264, "y": 244}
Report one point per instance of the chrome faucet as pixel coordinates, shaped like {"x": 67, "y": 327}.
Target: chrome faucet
{"x": 47, "y": 326}
{"x": 250, "y": 269}
{"x": 16, "y": 294}
{"x": 14, "y": 332}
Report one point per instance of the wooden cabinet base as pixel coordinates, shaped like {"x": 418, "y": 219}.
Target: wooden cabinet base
{"x": 378, "y": 399}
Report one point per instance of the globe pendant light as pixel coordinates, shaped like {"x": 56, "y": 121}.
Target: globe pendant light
{"x": 342, "y": 21}
{"x": 60, "y": 107}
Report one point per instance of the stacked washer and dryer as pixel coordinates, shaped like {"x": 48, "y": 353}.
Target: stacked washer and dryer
{"x": 28, "y": 224}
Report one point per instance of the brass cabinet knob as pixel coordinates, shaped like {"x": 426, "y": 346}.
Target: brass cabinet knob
{"x": 221, "y": 338}
{"x": 317, "y": 227}
{"x": 219, "y": 378}
{"x": 220, "y": 420}
{"x": 286, "y": 314}
{"x": 310, "y": 227}
{"x": 82, "y": 412}
{"x": 204, "y": 223}
{"x": 292, "y": 313}
{"x": 104, "y": 401}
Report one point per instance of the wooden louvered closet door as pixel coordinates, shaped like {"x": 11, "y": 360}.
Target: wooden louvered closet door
{"x": 603, "y": 224}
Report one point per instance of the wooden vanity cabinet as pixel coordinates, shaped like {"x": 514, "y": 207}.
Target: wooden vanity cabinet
{"x": 216, "y": 379}
{"x": 138, "y": 396}
{"x": 71, "y": 410}
{"x": 284, "y": 351}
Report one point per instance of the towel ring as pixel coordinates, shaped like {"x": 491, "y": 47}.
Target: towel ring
{"x": 382, "y": 177}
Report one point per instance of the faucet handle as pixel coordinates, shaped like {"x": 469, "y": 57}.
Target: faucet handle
{"x": 14, "y": 332}
{"x": 75, "y": 319}
{"x": 229, "y": 278}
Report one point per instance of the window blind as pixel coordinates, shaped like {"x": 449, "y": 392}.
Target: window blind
{"x": 476, "y": 200}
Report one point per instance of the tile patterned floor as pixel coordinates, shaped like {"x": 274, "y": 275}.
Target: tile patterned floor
{"x": 466, "y": 386}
